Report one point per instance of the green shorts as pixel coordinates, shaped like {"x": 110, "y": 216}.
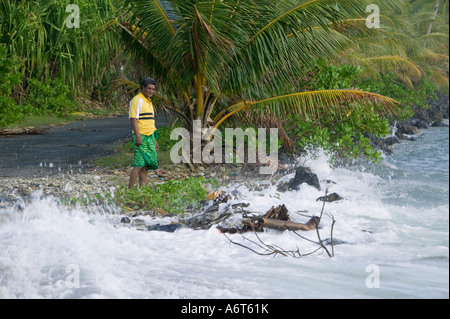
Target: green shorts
{"x": 145, "y": 155}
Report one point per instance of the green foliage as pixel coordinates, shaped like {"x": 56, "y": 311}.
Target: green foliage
{"x": 411, "y": 43}
{"x": 408, "y": 97}
{"x": 346, "y": 138}
{"x": 50, "y": 96}
{"x": 329, "y": 76}
{"x": 105, "y": 91}
{"x": 37, "y": 32}
{"x": 172, "y": 196}
{"x": 9, "y": 78}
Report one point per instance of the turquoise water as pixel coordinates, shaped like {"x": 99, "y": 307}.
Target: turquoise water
{"x": 418, "y": 172}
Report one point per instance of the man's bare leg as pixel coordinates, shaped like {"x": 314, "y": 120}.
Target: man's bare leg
{"x": 134, "y": 176}
{"x": 143, "y": 174}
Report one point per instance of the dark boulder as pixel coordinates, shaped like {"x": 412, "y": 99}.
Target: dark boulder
{"x": 330, "y": 198}
{"x": 403, "y": 137}
{"x": 439, "y": 124}
{"x": 379, "y": 144}
{"x": 304, "y": 175}
{"x": 391, "y": 140}
{"x": 407, "y": 129}
{"x": 125, "y": 220}
{"x": 170, "y": 228}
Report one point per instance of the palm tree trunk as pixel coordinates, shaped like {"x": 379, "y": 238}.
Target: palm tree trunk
{"x": 199, "y": 90}
{"x": 435, "y": 11}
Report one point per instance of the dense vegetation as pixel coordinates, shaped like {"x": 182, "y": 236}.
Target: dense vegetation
{"x": 49, "y": 64}
{"x": 312, "y": 68}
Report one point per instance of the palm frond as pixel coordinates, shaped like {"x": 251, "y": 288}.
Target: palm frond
{"x": 316, "y": 104}
{"x": 410, "y": 71}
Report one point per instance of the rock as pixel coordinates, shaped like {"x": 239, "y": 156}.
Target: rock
{"x": 330, "y": 198}
{"x": 304, "y": 175}
{"x": 215, "y": 214}
{"x": 283, "y": 187}
{"x": 427, "y": 115}
{"x": 170, "y": 228}
{"x": 422, "y": 119}
{"x": 439, "y": 124}
{"x": 418, "y": 121}
{"x": 335, "y": 241}
{"x": 403, "y": 137}
{"x": 138, "y": 222}
{"x": 379, "y": 144}
{"x": 125, "y": 220}
{"x": 236, "y": 193}
{"x": 162, "y": 212}
{"x": 407, "y": 129}
{"x": 391, "y": 140}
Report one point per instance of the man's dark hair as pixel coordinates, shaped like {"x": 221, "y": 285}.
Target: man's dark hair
{"x": 147, "y": 81}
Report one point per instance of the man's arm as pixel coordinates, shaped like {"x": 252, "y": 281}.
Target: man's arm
{"x": 135, "y": 127}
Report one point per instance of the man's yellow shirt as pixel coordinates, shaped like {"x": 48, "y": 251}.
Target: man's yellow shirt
{"x": 141, "y": 108}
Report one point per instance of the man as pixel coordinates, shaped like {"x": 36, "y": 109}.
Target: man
{"x": 142, "y": 118}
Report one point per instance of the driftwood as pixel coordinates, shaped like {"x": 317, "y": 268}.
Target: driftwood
{"x": 23, "y": 131}
{"x": 261, "y": 248}
{"x": 279, "y": 213}
{"x": 288, "y": 225}
{"x": 276, "y": 218}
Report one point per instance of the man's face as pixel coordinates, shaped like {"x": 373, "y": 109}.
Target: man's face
{"x": 149, "y": 90}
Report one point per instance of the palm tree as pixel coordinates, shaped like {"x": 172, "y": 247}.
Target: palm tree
{"x": 411, "y": 43}
{"x": 214, "y": 59}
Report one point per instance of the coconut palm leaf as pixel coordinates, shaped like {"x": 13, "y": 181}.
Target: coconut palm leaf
{"x": 315, "y": 104}
{"x": 402, "y": 45}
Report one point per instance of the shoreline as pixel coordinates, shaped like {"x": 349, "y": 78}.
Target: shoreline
{"x": 437, "y": 115}
{"x": 101, "y": 182}
{"x": 94, "y": 180}
{"x": 98, "y": 182}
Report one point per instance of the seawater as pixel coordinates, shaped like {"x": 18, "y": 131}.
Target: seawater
{"x": 391, "y": 231}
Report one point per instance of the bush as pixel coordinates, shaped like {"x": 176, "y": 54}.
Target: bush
{"x": 172, "y": 196}
{"x": 9, "y": 78}
{"x": 408, "y": 97}
{"x": 50, "y": 96}
{"x": 334, "y": 77}
{"x": 346, "y": 138}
